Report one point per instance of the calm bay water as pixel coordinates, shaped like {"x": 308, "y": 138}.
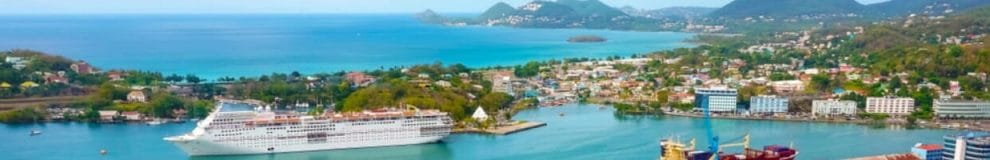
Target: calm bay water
{"x": 239, "y": 45}
{"x": 585, "y": 132}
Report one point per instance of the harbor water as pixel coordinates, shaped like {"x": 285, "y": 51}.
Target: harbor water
{"x": 583, "y": 132}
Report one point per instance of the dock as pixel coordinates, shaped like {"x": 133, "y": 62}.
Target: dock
{"x": 901, "y": 156}
{"x": 503, "y": 130}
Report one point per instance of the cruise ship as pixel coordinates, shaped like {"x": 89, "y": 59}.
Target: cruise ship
{"x": 261, "y": 131}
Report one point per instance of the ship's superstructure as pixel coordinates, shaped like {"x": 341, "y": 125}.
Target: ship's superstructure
{"x": 263, "y": 131}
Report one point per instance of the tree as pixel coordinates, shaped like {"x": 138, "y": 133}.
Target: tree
{"x": 162, "y": 104}
{"x": 779, "y": 76}
{"x": 193, "y": 79}
{"x": 663, "y": 97}
{"x": 174, "y": 78}
{"x": 821, "y": 83}
{"x": 859, "y": 99}
{"x": 494, "y": 101}
{"x": 532, "y": 68}
{"x": 296, "y": 74}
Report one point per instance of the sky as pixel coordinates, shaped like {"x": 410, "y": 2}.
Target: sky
{"x": 298, "y": 6}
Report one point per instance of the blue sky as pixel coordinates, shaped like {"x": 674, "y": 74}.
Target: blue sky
{"x": 297, "y": 6}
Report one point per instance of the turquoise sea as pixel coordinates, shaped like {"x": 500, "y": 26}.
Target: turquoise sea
{"x": 585, "y": 132}
{"x": 249, "y": 45}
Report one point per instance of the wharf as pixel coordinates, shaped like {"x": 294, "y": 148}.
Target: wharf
{"x": 684, "y": 114}
{"x": 901, "y": 156}
{"x": 503, "y": 130}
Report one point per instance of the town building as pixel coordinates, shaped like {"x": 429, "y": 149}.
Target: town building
{"x": 108, "y": 115}
{"x": 889, "y": 105}
{"x": 927, "y": 151}
{"x": 82, "y": 67}
{"x": 115, "y": 76}
{"x": 790, "y": 86}
{"x": 357, "y": 79}
{"x": 833, "y": 107}
{"x": 715, "y": 99}
{"x": 442, "y": 83}
{"x": 51, "y": 78}
{"x": 502, "y": 82}
{"x": 961, "y": 109}
{"x": 966, "y": 147}
{"x": 768, "y": 104}
{"x": 16, "y": 62}
{"x": 137, "y": 96}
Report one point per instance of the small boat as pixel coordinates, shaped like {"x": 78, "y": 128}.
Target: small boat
{"x": 35, "y": 132}
{"x": 561, "y": 114}
{"x": 156, "y": 122}
{"x": 103, "y": 152}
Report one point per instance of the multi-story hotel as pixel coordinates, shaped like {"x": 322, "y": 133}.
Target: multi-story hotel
{"x": 768, "y": 104}
{"x": 716, "y": 99}
{"x": 833, "y": 107}
{"x": 966, "y": 147}
{"x": 889, "y": 105}
{"x": 265, "y": 131}
{"x": 962, "y": 109}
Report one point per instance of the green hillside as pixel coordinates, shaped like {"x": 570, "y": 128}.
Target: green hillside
{"x": 787, "y": 8}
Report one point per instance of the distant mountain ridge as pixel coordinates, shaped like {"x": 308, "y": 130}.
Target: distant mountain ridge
{"x": 550, "y": 14}
{"x": 905, "y": 7}
{"x": 792, "y": 8}
{"x": 785, "y": 8}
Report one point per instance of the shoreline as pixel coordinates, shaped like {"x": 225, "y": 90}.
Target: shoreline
{"x": 919, "y": 126}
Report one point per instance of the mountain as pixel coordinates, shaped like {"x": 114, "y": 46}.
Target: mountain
{"x": 590, "y": 8}
{"x": 430, "y": 16}
{"x": 546, "y": 9}
{"x": 787, "y": 8}
{"x": 556, "y": 14}
{"x": 500, "y": 9}
{"x": 927, "y": 7}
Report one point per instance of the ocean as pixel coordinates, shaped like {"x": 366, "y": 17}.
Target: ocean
{"x": 214, "y": 46}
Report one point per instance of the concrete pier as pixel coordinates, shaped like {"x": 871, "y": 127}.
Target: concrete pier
{"x": 503, "y": 130}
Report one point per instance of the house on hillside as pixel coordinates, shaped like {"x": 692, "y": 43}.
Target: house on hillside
{"x": 82, "y": 67}
{"x": 16, "y": 62}
{"x": 442, "y": 83}
{"x": 51, "y": 78}
{"x": 115, "y": 76}
{"x": 137, "y": 96}
{"x": 359, "y": 79}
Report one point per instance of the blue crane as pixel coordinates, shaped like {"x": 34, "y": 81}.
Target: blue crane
{"x": 712, "y": 138}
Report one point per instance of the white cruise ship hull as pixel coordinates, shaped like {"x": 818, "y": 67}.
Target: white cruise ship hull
{"x": 205, "y": 148}
{"x": 263, "y": 132}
